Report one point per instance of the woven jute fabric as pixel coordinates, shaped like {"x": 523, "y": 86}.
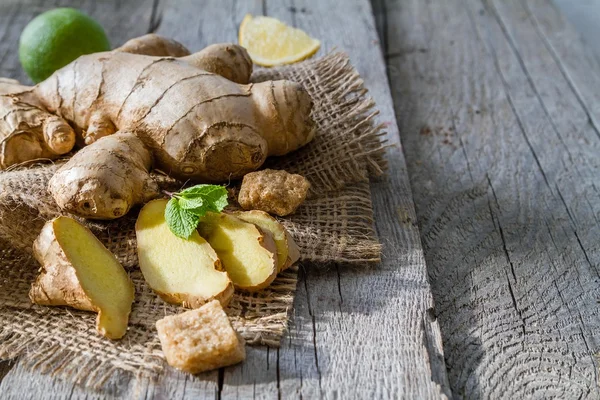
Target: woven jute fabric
{"x": 335, "y": 224}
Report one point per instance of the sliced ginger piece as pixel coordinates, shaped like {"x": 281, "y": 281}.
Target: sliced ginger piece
{"x": 248, "y": 253}
{"x": 287, "y": 250}
{"x": 200, "y": 340}
{"x": 180, "y": 271}
{"x": 270, "y": 42}
{"x": 78, "y": 271}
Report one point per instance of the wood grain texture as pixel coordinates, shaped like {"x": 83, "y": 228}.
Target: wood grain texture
{"x": 496, "y": 102}
{"x": 396, "y": 294}
{"x": 355, "y": 333}
{"x": 583, "y": 16}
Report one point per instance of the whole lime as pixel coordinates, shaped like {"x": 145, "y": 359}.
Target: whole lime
{"x": 57, "y": 37}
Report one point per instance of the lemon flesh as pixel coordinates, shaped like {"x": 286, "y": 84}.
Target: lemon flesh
{"x": 270, "y": 42}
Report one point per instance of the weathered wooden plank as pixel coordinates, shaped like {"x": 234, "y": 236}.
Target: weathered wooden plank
{"x": 400, "y": 351}
{"x": 561, "y": 40}
{"x": 22, "y": 384}
{"x": 199, "y": 25}
{"x": 583, "y": 16}
{"x": 501, "y": 161}
{"x": 174, "y": 384}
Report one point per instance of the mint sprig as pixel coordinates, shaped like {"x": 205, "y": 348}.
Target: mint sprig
{"x": 185, "y": 208}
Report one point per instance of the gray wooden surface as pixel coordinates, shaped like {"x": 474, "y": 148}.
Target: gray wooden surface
{"x": 355, "y": 333}
{"x": 584, "y": 15}
{"x": 498, "y": 103}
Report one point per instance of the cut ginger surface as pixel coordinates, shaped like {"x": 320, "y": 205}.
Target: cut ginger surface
{"x": 248, "y": 253}
{"x": 78, "y": 271}
{"x": 287, "y": 250}
{"x": 181, "y": 271}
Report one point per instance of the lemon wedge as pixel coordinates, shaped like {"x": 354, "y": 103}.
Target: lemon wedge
{"x": 270, "y": 42}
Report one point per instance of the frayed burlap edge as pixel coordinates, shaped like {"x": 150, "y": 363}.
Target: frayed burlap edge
{"x": 348, "y": 111}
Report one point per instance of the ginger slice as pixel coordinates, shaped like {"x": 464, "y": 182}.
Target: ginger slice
{"x": 287, "y": 250}
{"x": 180, "y": 271}
{"x": 248, "y": 253}
{"x": 200, "y": 340}
{"x": 78, "y": 271}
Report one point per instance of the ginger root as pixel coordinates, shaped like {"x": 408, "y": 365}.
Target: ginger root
{"x": 228, "y": 60}
{"x": 197, "y": 115}
{"x": 78, "y": 271}
{"x": 154, "y": 45}
{"x": 287, "y": 250}
{"x": 276, "y": 192}
{"x": 200, "y": 340}
{"x": 27, "y": 131}
{"x": 199, "y": 125}
{"x": 180, "y": 271}
{"x": 115, "y": 176}
{"x": 248, "y": 253}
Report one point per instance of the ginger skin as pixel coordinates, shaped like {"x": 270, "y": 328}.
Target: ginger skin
{"x": 154, "y": 45}
{"x": 116, "y": 176}
{"x": 198, "y": 116}
{"x": 273, "y": 191}
{"x": 199, "y": 125}
{"x": 27, "y": 130}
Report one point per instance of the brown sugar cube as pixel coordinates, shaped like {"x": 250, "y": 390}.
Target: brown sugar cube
{"x": 200, "y": 340}
{"x": 276, "y": 192}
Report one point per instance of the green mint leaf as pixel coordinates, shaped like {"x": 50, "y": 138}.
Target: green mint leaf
{"x": 200, "y": 211}
{"x": 189, "y": 203}
{"x": 185, "y": 208}
{"x": 214, "y": 198}
{"x": 180, "y": 221}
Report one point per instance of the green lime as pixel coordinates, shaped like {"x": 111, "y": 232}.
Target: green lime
{"x": 57, "y": 37}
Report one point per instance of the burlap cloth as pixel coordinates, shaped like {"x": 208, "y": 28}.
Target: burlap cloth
{"x": 334, "y": 225}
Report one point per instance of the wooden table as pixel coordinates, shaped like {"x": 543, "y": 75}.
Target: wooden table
{"x": 498, "y": 104}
